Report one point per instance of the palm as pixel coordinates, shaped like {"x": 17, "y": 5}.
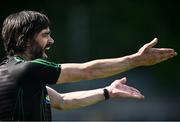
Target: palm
{"x": 119, "y": 89}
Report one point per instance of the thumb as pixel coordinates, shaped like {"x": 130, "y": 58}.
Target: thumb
{"x": 152, "y": 43}
{"x": 123, "y": 80}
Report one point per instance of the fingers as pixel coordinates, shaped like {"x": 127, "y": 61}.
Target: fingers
{"x": 163, "y": 54}
{"x": 134, "y": 90}
{"x": 164, "y": 50}
{"x": 124, "y": 86}
{"x": 127, "y": 92}
{"x": 152, "y": 43}
{"x": 134, "y": 93}
{"x": 137, "y": 95}
{"x": 122, "y": 90}
{"x": 166, "y": 56}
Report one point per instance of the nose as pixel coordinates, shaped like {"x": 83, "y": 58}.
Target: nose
{"x": 51, "y": 40}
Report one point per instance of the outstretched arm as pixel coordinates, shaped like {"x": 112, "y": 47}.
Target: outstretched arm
{"x": 85, "y": 98}
{"x": 147, "y": 55}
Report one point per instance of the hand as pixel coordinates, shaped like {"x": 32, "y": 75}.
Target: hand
{"x": 119, "y": 89}
{"x": 150, "y": 56}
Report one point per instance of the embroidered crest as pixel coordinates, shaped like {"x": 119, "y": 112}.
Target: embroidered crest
{"x": 47, "y": 99}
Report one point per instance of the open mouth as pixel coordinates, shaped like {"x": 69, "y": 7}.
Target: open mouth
{"x": 45, "y": 52}
{"x": 47, "y": 47}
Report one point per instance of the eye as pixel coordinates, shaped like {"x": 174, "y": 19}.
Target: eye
{"x": 46, "y": 34}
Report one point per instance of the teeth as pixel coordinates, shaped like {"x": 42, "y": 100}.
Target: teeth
{"x": 47, "y": 48}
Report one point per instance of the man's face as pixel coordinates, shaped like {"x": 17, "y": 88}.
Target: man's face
{"x": 41, "y": 44}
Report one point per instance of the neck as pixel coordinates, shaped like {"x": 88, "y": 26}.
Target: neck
{"x": 25, "y": 56}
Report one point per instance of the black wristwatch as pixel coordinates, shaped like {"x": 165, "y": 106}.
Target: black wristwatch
{"x": 106, "y": 93}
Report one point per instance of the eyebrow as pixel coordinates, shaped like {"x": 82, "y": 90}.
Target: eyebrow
{"x": 48, "y": 32}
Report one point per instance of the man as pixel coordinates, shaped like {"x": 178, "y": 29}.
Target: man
{"x": 24, "y": 73}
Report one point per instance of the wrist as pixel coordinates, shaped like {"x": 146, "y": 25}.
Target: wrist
{"x": 134, "y": 60}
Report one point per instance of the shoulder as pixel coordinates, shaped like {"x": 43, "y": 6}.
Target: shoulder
{"x": 44, "y": 63}
{"x": 36, "y": 62}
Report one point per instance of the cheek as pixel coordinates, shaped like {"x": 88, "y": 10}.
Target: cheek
{"x": 43, "y": 43}
{"x": 37, "y": 47}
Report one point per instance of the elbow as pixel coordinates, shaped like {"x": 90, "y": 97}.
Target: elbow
{"x": 60, "y": 108}
{"x": 64, "y": 106}
{"x": 60, "y": 105}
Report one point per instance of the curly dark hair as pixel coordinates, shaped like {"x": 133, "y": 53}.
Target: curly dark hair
{"x": 19, "y": 28}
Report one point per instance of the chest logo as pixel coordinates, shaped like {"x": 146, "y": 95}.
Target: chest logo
{"x": 47, "y": 99}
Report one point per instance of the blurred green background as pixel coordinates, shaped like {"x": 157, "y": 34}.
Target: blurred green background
{"x": 84, "y": 30}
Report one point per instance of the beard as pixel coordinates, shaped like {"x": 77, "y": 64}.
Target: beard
{"x": 39, "y": 52}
